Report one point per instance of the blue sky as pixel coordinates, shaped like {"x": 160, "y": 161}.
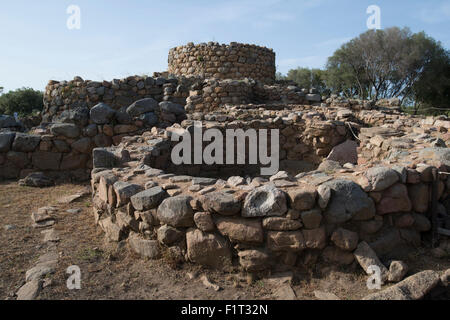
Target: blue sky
{"x": 122, "y": 38}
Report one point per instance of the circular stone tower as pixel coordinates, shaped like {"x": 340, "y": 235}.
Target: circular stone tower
{"x": 213, "y": 60}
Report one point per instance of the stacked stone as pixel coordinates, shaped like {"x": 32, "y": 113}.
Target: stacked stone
{"x": 303, "y": 141}
{"x": 234, "y": 61}
{"x": 264, "y": 223}
{"x": 216, "y": 93}
{"x": 66, "y": 149}
{"x": 9, "y": 123}
{"x": 79, "y": 93}
{"x": 67, "y": 146}
{"x": 280, "y": 93}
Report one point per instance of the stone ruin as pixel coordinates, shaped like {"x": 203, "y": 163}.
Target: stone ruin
{"x": 356, "y": 181}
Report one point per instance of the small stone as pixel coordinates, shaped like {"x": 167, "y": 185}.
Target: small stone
{"x": 124, "y": 191}
{"x": 240, "y": 230}
{"x": 397, "y": 271}
{"x": 285, "y": 241}
{"x": 50, "y": 235}
{"x": 74, "y": 211}
{"x": 304, "y": 198}
{"x": 168, "y": 235}
{"x": 254, "y": 260}
{"x": 221, "y": 203}
{"x": 145, "y": 248}
{"x": 203, "y": 181}
{"x": 315, "y": 239}
{"x": 173, "y": 192}
{"x": 30, "y": 290}
{"x": 176, "y": 212}
{"x": 38, "y": 272}
{"x": 311, "y": 219}
{"x": 366, "y": 257}
{"x": 207, "y": 190}
{"x": 380, "y": 178}
{"x": 207, "y": 249}
{"x": 345, "y": 239}
{"x": 324, "y": 196}
{"x": 204, "y": 221}
{"x": 148, "y": 199}
{"x": 281, "y": 224}
{"x": 69, "y": 199}
{"x": 235, "y": 181}
{"x": 43, "y": 224}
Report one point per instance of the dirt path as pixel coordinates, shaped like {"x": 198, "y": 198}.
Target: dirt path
{"x": 112, "y": 271}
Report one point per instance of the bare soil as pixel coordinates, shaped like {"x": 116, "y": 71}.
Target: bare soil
{"x": 112, "y": 271}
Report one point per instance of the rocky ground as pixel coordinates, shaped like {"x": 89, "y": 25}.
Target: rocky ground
{"x": 112, "y": 271}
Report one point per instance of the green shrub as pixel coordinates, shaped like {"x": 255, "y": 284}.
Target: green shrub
{"x": 24, "y": 101}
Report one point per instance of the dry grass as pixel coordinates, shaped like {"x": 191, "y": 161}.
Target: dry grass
{"x": 111, "y": 271}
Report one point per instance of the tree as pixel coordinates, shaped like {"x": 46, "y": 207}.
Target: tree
{"x": 431, "y": 92}
{"x": 385, "y": 64}
{"x": 23, "y": 101}
{"x": 308, "y": 78}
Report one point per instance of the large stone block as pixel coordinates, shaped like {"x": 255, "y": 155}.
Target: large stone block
{"x": 46, "y": 160}
{"x": 25, "y": 142}
{"x": 6, "y": 140}
{"x": 207, "y": 249}
{"x": 241, "y": 230}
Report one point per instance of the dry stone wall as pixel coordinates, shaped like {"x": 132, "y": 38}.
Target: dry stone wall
{"x": 61, "y": 97}
{"x": 67, "y": 146}
{"x": 261, "y": 222}
{"x": 234, "y": 61}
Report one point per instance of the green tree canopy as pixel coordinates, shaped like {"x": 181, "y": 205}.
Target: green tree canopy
{"x": 23, "y": 101}
{"x": 382, "y": 64}
{"x": 308, "y": 78}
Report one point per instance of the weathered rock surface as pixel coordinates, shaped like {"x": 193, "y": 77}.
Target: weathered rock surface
{"x": 366, "y": 257}
{"x": 204, "y": 221}
{"x": 124, "y": 191}
{"x": 348, "y": 202}
{"x": 145, "y": 248}
{"x": 67, "y": 130}
{"x": 30, "y": 290}
{"x": 285, "y": 241}
{"x": 221, "y": 203}
{"x": 102, "y": 113}
{"x": 264, "y": 201}
{"x": 241, "y": 230}
{"x": 397, "y": 271}
{"x": 412, "y": 288}
{"x": 380, "y": 178}
{"x": 254, "y": 260}
{"x": 148, "y": 199}
{"x": 176, "y": 212}
{"x": 207, "y": 249}
{"x": 281, "y": 224}
{"x": 303, "y": 198}
{"x": 37, "y": 179}
{"x": 345, "y": 153}
{"x": 345, "y": 239}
